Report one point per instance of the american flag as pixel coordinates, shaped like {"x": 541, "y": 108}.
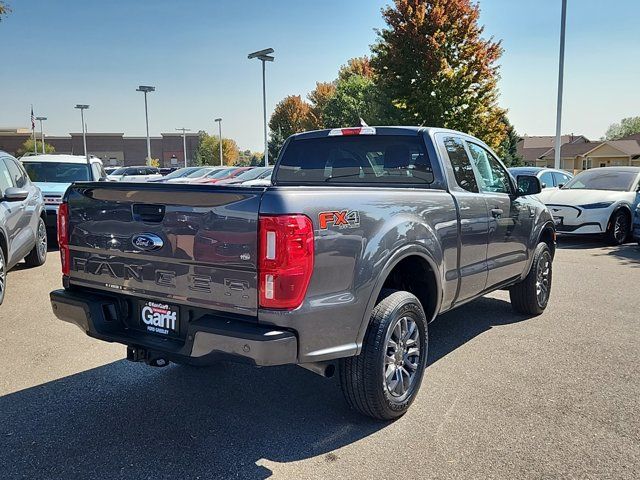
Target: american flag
{"x": 33, "y": 119}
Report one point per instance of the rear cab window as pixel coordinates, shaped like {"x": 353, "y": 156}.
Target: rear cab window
{"x": 355, "y": 159}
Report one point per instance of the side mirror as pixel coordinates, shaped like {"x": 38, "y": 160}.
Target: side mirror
{"x": 543, "y": 185}
{"x": 560, "y": 185}
{"x": 528, "y": 185}
{"x": 13, "y": 194}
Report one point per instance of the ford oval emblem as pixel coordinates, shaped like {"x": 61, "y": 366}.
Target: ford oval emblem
{"x": 147, "y": 242}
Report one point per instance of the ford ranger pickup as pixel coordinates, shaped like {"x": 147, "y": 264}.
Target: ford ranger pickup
{"x": 364, "y": 237}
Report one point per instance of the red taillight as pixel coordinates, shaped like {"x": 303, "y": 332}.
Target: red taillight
{"x": 63, "y": 236}
{"x": 285, "y": 260}
{"x": 352, "y": 131}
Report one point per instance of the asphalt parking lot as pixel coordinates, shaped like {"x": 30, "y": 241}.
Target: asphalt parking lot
{"x": 505, "y": 396}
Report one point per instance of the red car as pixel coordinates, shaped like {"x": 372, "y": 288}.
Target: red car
{"x": 218, "y": 175}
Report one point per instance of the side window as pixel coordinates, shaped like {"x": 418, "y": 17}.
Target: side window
{"x": 5, "y": 178}
{"x": 18, "y": 176}
{"x": 561, "y": 178}
{"x": 493, "y": 177}
{"x": 461, "y": 164}
{"x": 547, "y": 180}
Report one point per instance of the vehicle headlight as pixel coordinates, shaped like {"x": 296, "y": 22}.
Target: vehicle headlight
{"x": 593, "y": 206}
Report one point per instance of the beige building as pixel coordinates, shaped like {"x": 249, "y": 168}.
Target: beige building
{"x": 577, "y": 153}
{"x": 584, "y": 156}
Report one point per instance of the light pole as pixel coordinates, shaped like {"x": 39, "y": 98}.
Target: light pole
{"x": 146, "y": 89}
{"x": 184, "y": 142}
{"x": 82, "y": 108}
{"x": 264, "y": 56}
{"x": 219, "y": 120}
{"x": 41, "y": 119}
{"x": 558, "y": 145}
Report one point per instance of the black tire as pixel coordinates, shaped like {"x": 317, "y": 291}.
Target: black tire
{"x": 531, "y": 295}
{"x": 3, "y": 275}
{"x": 38, "y": 255}
{"x": 619, "y": 228}
{"x": 365, "y": 379}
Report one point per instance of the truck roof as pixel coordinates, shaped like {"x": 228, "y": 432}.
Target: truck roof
{"x": 61, "y": 158}
{"x": 384, "y": 130}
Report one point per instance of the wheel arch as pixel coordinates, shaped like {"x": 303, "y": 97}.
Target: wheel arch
{"x": 405, "y": 258}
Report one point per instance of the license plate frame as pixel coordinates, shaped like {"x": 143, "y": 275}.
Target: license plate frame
{"x": 159, "y": 318}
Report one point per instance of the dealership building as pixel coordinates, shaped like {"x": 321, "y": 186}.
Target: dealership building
{"x": 113, "y": 148}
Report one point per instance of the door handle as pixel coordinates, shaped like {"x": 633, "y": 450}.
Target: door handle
{"x": 497, "y": 212}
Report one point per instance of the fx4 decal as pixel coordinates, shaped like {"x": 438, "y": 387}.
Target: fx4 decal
{"x": 340, "y": 219}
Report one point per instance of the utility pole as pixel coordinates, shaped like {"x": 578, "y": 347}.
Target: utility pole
{"x": 558, "y": 143}
{"x": 184, "y": 142}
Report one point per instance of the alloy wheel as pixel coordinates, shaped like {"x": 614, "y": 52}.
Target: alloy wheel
{"x": 42, "y": 240}
{"x": 620, "y": 228}
{"x": 543, "y": 279}
{"x": 402, "y": 357}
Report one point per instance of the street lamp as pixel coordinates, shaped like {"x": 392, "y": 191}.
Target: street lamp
{"x": 41, "y": 119}
{"x": 558, "y": 143}
{"x": 264, "y": 56}
{"x": 146, "y": 89}
{"x": 82, "y": 108}
{"x": 219, "y": 120}
{"x": 184, "y": 142}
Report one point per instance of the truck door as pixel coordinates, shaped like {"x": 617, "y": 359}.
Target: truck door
{"x": 510, "y": 219}
{"x": 474, "y": 225}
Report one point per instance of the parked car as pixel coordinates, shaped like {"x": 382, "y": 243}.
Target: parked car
{"x": 636, "y": 225}
{"x": 177, "y": 174}
{"x": 135, "y": 174}
{"x": 23, "y": 233}
{"x": 260, "y": 182}
{"x": 54, "y": 173}
{"x": 198, "y": 174}
{"x": 366, "y": 236}
{"x": 251, "y": 174}
{"x": 550, "y": 178}
{"x": 597, "y": 201}
{"x": 222, "y": 174}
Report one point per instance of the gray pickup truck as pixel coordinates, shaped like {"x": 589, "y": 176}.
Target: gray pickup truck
{"x": 366, "y": 235}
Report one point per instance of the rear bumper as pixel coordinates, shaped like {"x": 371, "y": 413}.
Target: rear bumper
{"x": 208, "y": 339}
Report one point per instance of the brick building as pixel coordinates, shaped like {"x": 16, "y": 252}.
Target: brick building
{"x": 112, "y": 148}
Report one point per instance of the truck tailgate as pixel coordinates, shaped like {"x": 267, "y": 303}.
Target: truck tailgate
{"x": 183, "y": 244}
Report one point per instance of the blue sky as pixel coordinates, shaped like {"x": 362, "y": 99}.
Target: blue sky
{"x": 57, "y": 54}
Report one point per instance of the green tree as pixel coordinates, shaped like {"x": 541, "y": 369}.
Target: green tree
{"x": 355, "y": 98}
{"x": 434, "y": 68}
{"x": 27, "y": 147}
{"x": 508, "y": 149}
{"x": 627, "y": 126}
{"x": 208, "y": 152}
{"x": 276, "y": 141}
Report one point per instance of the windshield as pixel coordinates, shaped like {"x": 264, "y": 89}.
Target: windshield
{"x": 221, "y": 173}
{"x": 598, "y": 179}
{"x": 183, "y": 172}
{"x": 253, "y": 173}
{"x": 199, "y": 172}
{"x": 57, "y": 172}
{"x": 119, "y": 171}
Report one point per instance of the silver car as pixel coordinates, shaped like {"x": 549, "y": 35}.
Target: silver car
{"x": 23, "y": 233}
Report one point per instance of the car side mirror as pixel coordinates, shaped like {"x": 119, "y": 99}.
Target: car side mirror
{"x": 528, "y": 185}
{"x": 13, "y": 194}
{"x": 543, "y": 185}
{"x": 560, "y": 185}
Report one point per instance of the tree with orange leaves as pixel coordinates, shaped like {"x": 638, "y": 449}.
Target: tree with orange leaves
{"x": 434, "y": 68}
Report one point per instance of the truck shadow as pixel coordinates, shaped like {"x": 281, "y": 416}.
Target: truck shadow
{"x": 228, "y": 421}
